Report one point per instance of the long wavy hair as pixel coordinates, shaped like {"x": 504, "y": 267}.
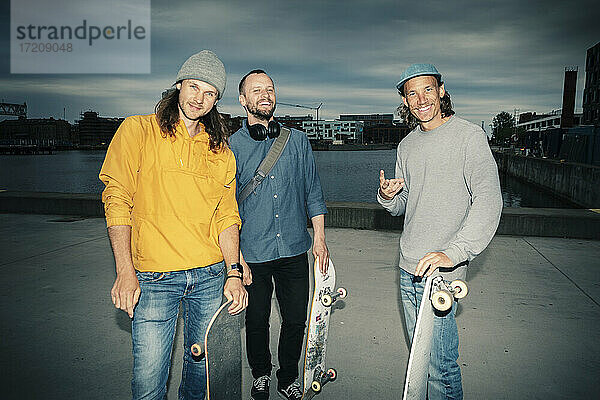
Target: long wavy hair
{"x": 167, "y": 114}
{"x": 412, "y": 122}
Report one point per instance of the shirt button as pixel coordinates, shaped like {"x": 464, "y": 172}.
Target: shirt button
{"x": 276, "y": 215}
{"x": 278, "y": 235}
{"x": 272, "y": 176}
{"x": 275, "y": 196}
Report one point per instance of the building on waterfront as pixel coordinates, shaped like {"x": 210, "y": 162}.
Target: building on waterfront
{"x": 75, "y": 135}
{"x": 369, "y": 119}
{"x": 564, "y": 134}
{"x": 293, "y": 121}
{"x": 96, "y": 131}
{"x": 379, "y": 128}
{"x": 235, "y": 123}
{"x": 334, "y": 131}
{"x": 17, "y": 110}
{"x": 385, "y": 134}
{"x": 567, "y": 116}
{"x": 544, "y": 134}
{"x": 591, "y": 93}
{"x": 531, "y": 121}
{"x": 36, "y": 131}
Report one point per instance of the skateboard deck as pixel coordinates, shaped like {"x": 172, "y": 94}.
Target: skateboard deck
{"x": 222, "y": 349}
{"x": 324, "y": 295}
{"x": 437, "y": 295}
{"x": 415, "y": 384}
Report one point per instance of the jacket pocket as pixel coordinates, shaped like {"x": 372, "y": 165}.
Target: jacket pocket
{"x": 193, "y": 195}
{"x": 151, "y": 243}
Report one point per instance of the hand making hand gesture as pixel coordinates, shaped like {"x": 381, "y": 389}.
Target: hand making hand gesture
{"x": 388, "y": 188}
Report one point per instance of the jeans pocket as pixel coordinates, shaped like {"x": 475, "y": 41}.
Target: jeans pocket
{"x": 150, "y": 276}
{"x": 216, "y": 269}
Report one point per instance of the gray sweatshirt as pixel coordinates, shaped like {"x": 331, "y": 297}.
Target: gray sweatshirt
{"x": 451, "y": 198}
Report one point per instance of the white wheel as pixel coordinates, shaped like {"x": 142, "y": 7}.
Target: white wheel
{"x": 326, "y": 300}
{"x": 343, "y": 292}
{"x": 197, "y": 350}
{"x": 459, "y": 288}
{"x": 316, "y": 386}
{"x": 332, "y": 373}
{"x": 441, "y": 300}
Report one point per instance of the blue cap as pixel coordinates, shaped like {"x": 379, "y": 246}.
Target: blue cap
{"x": 417, "y": 70}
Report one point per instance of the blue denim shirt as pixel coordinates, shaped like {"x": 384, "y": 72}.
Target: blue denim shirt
{"x": 274, "y": 215}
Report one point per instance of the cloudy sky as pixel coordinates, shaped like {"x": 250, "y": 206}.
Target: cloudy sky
{"x": 349, "y": 54}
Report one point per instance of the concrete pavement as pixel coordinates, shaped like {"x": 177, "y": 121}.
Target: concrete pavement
{"x": 528, "y": 328}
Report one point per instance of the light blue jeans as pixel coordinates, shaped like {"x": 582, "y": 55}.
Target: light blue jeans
{"x": 444, "y": 373}
{"x": 200, "y": 291}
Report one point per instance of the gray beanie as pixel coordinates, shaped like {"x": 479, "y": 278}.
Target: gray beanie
{"x": 204, "y": 66}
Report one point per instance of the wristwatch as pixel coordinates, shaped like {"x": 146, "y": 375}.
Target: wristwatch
{"x": 236, "y": 267}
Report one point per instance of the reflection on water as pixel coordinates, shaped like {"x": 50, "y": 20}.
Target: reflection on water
{"x": 65, "y": 172}
{"x": 517, "y": 193}
{"x": 345, "y": 176}
{"x": 354, "y": 176}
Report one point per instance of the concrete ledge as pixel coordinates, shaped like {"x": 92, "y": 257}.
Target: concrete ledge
{"x": 361, "y": 216}
{"x": 549, "y": 222}
{"x": 81, "y": 204}
{"x": 577, "y": 183}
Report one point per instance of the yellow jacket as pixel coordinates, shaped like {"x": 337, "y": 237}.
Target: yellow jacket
{"x": 176, "y": 194}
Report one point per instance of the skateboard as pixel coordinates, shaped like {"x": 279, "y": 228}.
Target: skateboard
{"x": 441, "y": 296}
{"x": 324, "y": 295}
{"x": 222, "y": 349}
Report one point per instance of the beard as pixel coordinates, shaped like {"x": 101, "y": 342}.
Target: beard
{"x": 189, "y": 113}
{"x": 261, "y": 114}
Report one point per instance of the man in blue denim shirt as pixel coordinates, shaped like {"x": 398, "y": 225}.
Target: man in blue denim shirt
{"x": 274, "y": 237}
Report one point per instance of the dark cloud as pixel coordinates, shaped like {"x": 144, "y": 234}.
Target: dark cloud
{"x": 347, "y": 54}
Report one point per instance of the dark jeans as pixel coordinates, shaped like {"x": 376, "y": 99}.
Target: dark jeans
{"x": 291, "y": 288}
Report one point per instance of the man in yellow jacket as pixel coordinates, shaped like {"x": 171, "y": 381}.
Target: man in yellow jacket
{"x": 173, "y": 224}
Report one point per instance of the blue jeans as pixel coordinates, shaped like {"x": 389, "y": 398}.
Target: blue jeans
{"x": 444, "y": 372}
{"x": 200, "y": 291}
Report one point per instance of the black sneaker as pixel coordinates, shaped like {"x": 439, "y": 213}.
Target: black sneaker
{"x": 260, "y": 388}
{"x": 292, "y": 392}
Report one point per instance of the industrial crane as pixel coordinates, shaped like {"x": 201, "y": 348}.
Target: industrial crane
{"x": 308, "y": 107}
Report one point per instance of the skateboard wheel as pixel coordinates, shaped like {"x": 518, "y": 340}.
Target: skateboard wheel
{"x": 327, "y": 300}
{"x": 459, "y": 288}
{"x": 343, "y": 292}
{"x": 332, "y": 373}
{"x": 441, "y": 300}
{"x": 197, "y": 350}
{"x": 316, "y": 386}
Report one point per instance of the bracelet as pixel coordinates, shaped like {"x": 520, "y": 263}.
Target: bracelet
{"x": 234, "y": 276}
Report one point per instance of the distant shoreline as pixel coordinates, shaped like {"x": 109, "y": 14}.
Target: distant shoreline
{"x": 352, "y": 147}
{"x": 315, "y": 147}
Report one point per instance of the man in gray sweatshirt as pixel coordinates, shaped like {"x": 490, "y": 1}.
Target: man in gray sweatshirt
{"x": 447, "y": 187}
